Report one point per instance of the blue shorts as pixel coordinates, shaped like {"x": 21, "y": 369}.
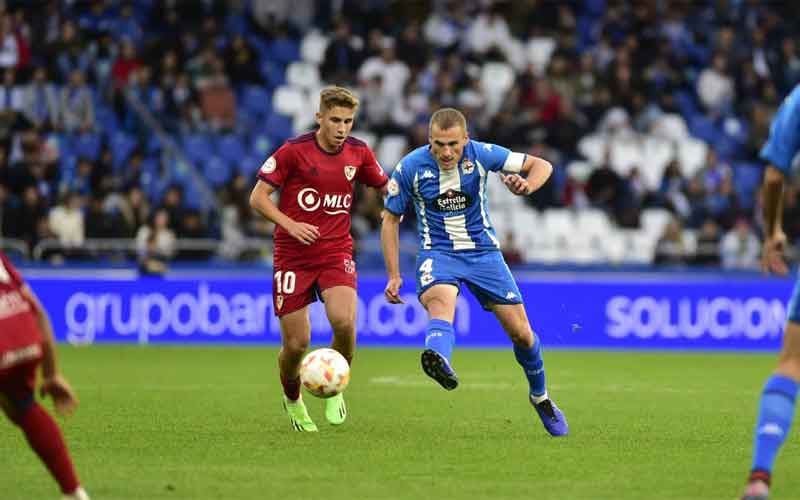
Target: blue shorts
{"x": 484, "y": 272}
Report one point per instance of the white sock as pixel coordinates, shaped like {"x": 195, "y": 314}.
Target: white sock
{"x": 79, "y": 494}
{"x": 538, "y": 399}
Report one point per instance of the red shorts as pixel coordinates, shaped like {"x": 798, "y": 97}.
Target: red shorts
{"x": 294, "y": 286}
{"x": 20, "y": 354}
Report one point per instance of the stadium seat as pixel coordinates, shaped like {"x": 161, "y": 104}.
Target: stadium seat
{"x": 625, "y": 153}
{"x": 249, "y": 164}
{"x": 496, "y": 80}
{"x": 391, "y": 149}
{"x": 657, "y": 153}
{"x": 593, "y": 147}
{"x": 692, "y": 156}
{"x": 703, "y": 128}
{"x": 303, "y": 74}
{"x": 273, "y": 73}
{"x": 312, "y": 47}
{"x": 538, "y": 51}
{"x": 289, "y": 100}
{"x": 371, "y": 139}
{"x": 579, "y": 170}
{"x": 231, "y": 148}
{"x": 654, "y": 220}
{"x": 197, "y": 147}
{"x": 87, "y": 145}
{"x": 279, "y": 128}
{"x": 256, "y": 101}
{"x": 592, "y": 221}
{"x": 121, "y": 145}
{"x": 670, "y": 126}
{"x": 217, "y": 171}
{"x": 261, "y": 145}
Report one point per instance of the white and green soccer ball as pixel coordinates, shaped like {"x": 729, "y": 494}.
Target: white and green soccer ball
{"x": 324, "y": 373}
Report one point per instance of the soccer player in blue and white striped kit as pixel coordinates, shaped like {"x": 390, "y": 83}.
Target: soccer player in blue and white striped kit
{"x": 776, "y": 407}
{"x": 446, "y": 184}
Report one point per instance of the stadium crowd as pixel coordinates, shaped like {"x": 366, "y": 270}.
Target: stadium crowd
{"x": 643, "y": 106}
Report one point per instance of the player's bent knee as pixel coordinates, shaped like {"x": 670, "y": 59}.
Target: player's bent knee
{"x": 342, "y": 324}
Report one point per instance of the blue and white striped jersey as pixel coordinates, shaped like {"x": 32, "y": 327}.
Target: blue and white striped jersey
{"x": 784, "y": 135}
{"x": 451, "y": 206}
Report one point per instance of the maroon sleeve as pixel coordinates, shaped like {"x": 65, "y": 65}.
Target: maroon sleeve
{"x": 9, "y": 272}
{"x": 371, "y": 174}
{"x": 276, "y": 168}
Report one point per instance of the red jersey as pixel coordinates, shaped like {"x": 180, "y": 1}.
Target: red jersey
{"x": 18, "y": 326}
{"x": 316, "y": 187}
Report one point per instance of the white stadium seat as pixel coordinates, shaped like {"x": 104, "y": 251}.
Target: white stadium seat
{"x": 312, "y": 47}
{"x": 289, "y": 100}
{"x": 539, "y": 50}
{"x": 303, "y": 74}
{"x": 594, "y": 147}
{"x": 670, "y": 126}
{"x": 692, "y": 156}
{"x": 496, "y": 80}
{"x": 654, "y": 220}
{"x": 657, "y": 153}
{"x": 391, "y": 149}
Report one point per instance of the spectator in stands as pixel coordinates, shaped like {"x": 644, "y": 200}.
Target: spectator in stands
{"x": 343, "y": 55}
{"x": 102, "y": 223}
{"x": 193, "y": 228}
{"x": 217, "y": 100}
{"x": 715, "y": 87}
{"x": 68, "y": 52}
{"x": 242, "y": 63}
{"x": 740, "y": 247}
{"x": 411, "y": 48}
{"x": 66, "y": 222}
{"x": 9, "y": 48}
{"x": 394, "y": 73}
{"x": 155, "y": 243}
{"x": 134, "y": 209}
{"x": 708, "y": 239}
{"x": 671, "y": 247}
{"x": 172, "y": 203}
{"x": 511, "y": 252}
{"x": 77, "y": 105}
{"x": 40, "y": 102}
{"x": 10, "y": 214}
{"x": 12, "y": 100}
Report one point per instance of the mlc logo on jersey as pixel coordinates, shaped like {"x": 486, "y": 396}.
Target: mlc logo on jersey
{"x": 309, "y": 200}
{"x": 349, "y": 172}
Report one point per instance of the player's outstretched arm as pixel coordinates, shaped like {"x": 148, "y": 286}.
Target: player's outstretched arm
{"x": 772, "y": 260}
{"x": 533, "y": 174}
{"x": 261, "y": 202}
{"x": 390, "y": 242}
{"x": 53, "y": 384}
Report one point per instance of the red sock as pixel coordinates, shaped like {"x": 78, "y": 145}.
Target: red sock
{"x": 291, "y": 387}
{"x": 46, "y": 439}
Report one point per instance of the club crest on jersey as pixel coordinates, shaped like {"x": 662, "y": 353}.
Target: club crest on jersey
{"x": 349, "y": 266}
{"x": 393, "y": 187}
{"x": 279, "y": 302}
{"x": 468, "y": 166}
{"x": 269, "y": 166}
{"x": 349, "y": 172}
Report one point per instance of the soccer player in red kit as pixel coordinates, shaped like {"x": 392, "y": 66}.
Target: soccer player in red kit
{"x": 26, "y": 341}
{"x": 315, "y": 174}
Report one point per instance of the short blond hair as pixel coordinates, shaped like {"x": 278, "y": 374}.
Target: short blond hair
{"x": 446, "y": 118}
{"x": 330, "y": 97}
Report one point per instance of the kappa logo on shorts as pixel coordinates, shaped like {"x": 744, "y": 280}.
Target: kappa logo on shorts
{"x": 349, "y": 266}
{"x": 279, "y": 302}
{"x": 349, "y": 172}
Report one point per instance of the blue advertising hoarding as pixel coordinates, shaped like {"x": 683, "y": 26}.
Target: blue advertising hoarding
{"x": 586, "y": 310}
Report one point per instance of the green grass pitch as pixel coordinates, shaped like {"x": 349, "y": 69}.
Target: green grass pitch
{"x": 206, "y": 423}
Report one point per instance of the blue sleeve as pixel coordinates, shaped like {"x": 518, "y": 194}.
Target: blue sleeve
{"x": 784, "y": 134}
{"x": 399, "y": 190}
{"x": 491, "y": 156}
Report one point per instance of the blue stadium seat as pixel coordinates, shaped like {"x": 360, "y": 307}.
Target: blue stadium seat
{"x": 746, "y": 181}
{"x": 106, "y": 120}
{"x": 703, "y": 128}
{"x": 249, "y": 165}
{"x": 87, "y": 145}
{"x": 274, "y": 74}
{"x": 261, "y": 144}
{"x": 279, "y": 127}
{"x": 230, "y": 147}
{"x": 197, "y": 147}
{"x": 283, "y": 51}
{"x": 217, "y": 171}
{"x": 257, "y": 101}
{"x": 121, "y": 145}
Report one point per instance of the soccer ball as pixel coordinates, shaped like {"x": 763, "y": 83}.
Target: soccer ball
{"x": 324, "y": 373}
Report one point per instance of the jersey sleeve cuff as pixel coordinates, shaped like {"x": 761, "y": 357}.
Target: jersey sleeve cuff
{"x": 271, "y": 183}
{"x": 514, "y": 162}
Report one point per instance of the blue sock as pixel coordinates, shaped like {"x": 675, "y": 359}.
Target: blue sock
{"x": 775, "y": 415}
{"x": 530, "y": 358}
{"x": 440, "y": 337}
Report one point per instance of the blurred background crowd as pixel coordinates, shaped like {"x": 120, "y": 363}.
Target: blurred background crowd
{"x": 133, "y": 129}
